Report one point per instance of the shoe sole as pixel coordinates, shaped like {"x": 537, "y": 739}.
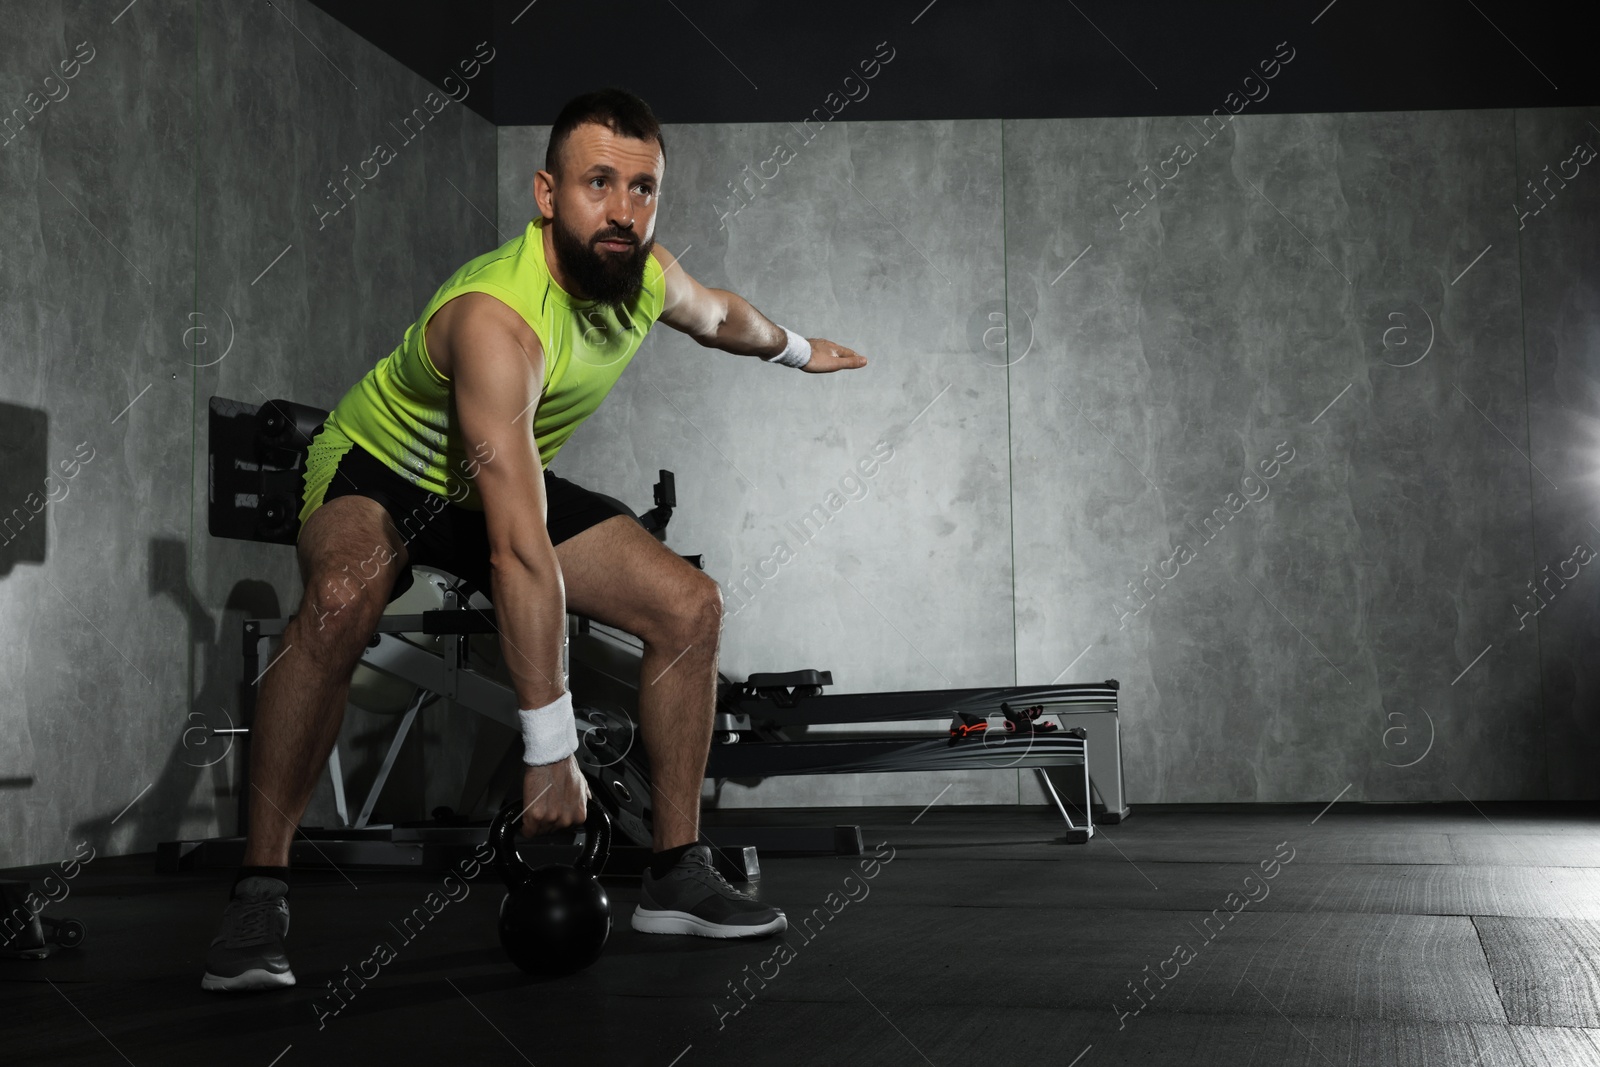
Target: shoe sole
{"x": 681, "y": 922}
{"x": 249, "y": 981}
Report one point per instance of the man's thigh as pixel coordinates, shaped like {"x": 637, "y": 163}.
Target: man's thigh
{"x": 618, "y": 574}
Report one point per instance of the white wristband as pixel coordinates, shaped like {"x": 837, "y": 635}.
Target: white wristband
{"x": 550, "y": 733}
{"x": 797, "y": 353}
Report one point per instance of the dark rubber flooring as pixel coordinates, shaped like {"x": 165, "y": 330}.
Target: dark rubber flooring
{"x": 1424, "y": 935}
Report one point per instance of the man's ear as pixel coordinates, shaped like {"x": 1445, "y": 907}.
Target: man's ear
{"x": 544, "y": 193}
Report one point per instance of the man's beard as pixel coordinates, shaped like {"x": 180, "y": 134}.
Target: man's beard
{"x": 610, "y": 278}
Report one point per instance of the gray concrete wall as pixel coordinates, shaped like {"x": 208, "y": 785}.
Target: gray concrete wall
{"x": 145, "y": 216}
{"x": 98, "y": 270}
{"x": 1241, "y": 311}
{"x": 1105, "y": 368}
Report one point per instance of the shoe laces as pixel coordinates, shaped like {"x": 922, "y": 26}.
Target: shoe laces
{"x": 706, "y": 872}
{"x": 250, "y": 922}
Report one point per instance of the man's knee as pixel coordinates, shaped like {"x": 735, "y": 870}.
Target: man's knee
{"x": 340, "y": 612}
{"x": 697, "y": 611}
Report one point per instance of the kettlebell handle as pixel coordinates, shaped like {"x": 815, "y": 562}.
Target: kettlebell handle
{"x": 514, "y": 870}
{"x": 596, "y": 839}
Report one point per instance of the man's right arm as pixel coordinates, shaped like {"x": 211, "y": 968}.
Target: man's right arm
{"x": 497, "y": 367}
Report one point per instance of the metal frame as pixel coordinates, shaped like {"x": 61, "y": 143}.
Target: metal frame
{"x": 422, "y": 700}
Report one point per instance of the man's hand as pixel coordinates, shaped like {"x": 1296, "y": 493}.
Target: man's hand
{"x": 827, "y": 357}
{"x": 554, "y": 795}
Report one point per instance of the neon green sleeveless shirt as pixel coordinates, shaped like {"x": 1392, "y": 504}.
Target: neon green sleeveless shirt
{"x": 401, "y": 411}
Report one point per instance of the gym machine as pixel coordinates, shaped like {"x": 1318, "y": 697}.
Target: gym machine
{"x": 779, "y": 724}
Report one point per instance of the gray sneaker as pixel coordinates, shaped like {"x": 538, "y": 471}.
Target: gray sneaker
{"x": 694, "y": 898}
{"x": 248, "y": 952}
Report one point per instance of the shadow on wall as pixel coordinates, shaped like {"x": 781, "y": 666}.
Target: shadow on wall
{"x": 169, "y": 806}
{"x": 26, "y": 485}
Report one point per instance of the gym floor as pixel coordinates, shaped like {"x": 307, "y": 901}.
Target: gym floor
{"x": 1447, "y": 935}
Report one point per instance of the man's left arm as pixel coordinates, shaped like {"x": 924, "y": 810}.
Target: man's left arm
{"x": 719, "y": 319}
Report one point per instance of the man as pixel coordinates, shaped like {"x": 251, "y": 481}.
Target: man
{"x": 457, "y": 426}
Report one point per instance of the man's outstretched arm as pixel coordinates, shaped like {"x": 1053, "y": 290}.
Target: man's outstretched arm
{"x": 717, "y": 318}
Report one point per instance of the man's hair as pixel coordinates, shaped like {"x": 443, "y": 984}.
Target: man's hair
{"x": 616, "y": 109}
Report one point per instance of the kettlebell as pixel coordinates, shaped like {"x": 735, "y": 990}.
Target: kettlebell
{"x": 554, "y": 919}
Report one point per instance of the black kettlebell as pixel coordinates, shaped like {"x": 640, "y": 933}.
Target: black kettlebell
{"x": 554, "y": 919}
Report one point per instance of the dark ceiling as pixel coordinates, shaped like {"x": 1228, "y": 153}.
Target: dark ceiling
{"x": 746, "y": 61}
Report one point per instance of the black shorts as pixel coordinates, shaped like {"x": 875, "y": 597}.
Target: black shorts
{"x": 438, "y": 533}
